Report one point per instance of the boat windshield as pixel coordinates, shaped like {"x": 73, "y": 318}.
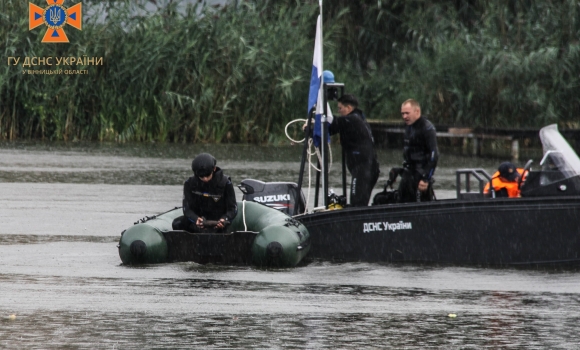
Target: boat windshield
{"x": 558, "y": 155}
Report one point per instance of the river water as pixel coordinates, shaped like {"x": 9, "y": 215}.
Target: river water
{"x": 63, "y": 207}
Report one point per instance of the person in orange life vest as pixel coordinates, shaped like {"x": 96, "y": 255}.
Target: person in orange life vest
{"x": 505, "y": 181}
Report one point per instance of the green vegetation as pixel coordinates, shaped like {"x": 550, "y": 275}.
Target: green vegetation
{"x": 489, "y": 63}
{"x": 185, "y": 73}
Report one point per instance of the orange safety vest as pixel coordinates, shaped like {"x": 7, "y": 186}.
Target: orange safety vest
{"x": 499, "y": 183}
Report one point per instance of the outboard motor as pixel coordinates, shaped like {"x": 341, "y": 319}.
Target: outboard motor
{"x": 283, "y": 196}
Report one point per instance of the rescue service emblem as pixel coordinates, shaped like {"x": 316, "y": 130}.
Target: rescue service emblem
{"x": 55, "y": 16}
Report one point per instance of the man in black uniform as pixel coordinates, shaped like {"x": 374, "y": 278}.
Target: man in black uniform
{"x": 357, "y": 142}
{"x": 420, "y": 153}
{"x": 208, "y": 195}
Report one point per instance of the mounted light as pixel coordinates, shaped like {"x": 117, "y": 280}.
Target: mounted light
{"x": 332, "y": 93}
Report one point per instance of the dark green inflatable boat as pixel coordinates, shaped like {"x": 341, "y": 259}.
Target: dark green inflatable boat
{"x": 259, "y": 235}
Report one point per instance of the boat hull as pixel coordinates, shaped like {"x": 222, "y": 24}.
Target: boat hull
{"x": 485, "y": 232}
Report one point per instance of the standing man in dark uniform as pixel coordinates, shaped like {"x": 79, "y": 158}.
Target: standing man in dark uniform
{"x": 358, "y": 144}
{"x": 420, "y": 153}
{"x": 208, "y": 195}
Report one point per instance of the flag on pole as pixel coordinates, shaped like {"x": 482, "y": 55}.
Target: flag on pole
{"x": 315, "y": 93}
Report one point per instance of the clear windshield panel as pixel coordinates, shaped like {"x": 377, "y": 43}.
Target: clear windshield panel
{"x": 558, "y": 155}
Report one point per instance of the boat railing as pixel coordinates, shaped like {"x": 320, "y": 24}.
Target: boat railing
{"x": 480, "y": 175}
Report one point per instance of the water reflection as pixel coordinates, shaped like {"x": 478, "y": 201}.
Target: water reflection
{"x": 205, "y": 313}
{"x": 43, "y": 239}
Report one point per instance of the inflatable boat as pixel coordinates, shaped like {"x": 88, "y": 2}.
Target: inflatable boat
{"x": 258, "y": 235}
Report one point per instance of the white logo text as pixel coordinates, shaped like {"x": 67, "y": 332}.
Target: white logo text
{"x": 386, "y": 226}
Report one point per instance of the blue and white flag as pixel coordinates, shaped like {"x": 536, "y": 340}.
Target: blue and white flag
{"x": 315, "y": 93}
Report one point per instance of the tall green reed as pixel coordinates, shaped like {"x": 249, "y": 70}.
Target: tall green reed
{"x": 186, "y": 73}
{"x": 470, "y": 62}
{"x": 182, "y": 74}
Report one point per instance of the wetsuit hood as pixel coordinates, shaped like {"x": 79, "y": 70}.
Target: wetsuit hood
{"x": 203, "y": 165}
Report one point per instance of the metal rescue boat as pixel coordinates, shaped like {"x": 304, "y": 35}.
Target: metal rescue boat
{"x": 540, "y": 227}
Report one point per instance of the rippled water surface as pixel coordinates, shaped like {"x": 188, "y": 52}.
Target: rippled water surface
{"x": 63, "y": 207}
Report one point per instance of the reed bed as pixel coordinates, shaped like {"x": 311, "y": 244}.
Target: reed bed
{"x": 191, "y": 73}
{"x": 476, "y": 63}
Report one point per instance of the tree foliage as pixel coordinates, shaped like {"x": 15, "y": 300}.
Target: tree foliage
{"x": 173, "y": 71}
{"x": 470, "y": 62}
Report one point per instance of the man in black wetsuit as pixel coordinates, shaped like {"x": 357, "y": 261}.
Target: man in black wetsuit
{"x": 208, "y": 195}
{"x": 357, "y": 142}
{"x": 420, "y": 153}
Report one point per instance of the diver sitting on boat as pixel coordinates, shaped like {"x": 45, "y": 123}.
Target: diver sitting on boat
{"x": 421, "y": 155}
{"x": 505, "y": 181}
{"x": 209, "y": 200}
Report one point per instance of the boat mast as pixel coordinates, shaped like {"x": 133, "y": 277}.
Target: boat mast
{"x": 323, "y": 124}
{"x": 318, "y": 106}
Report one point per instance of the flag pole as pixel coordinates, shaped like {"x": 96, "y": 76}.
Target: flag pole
{"x": 324, "y": 126}
{"x": 316, "y": 98}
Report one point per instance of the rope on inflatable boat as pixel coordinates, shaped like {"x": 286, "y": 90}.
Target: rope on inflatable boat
{"x": 244, "y": 214}
{"x": 309, "y": 153}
